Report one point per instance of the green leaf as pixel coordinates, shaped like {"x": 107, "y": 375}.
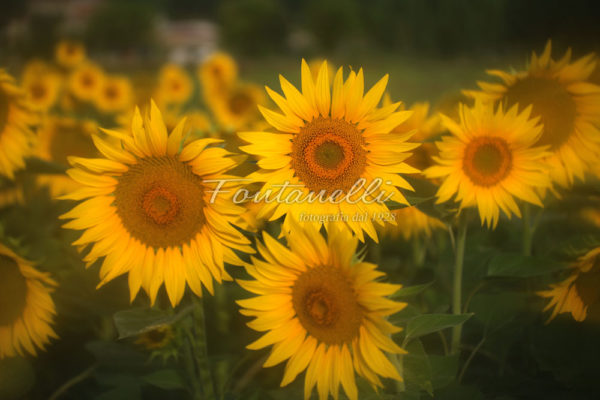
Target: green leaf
{"x": 139, "y": 320}
{"x": 411, "y": 290}
{"x": 443, "y": 370}
{"x": 416, "y": 367}
{"x": 16, "y": 378}
{"x": 429, "y": 323}
{"x": 519, "y": 266}
{"x": 167, "y": 379}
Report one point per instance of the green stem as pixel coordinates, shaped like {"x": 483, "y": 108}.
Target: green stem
{"x": 527, "y": 231}
{"x": 190, "y": 368}
{"x": 457, "y": 286}
{"x": 200, "y": 350}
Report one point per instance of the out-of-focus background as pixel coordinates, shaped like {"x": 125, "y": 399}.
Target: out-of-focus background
{"x": 429, "y": 46}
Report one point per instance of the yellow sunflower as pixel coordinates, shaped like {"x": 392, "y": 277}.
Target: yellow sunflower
{"x": 489, "y": 159}
{"x": 42, "y": 86}
{"x": 217, "y": 74}
{"x": 16, "y": 117}
{"x": 174, "y": 85}
{"x": 69, "y": 53}
{"x": 115, "y": 95}
{"x": 315, "y": 66}
{"x": 411, "y": 222}
{"x": 156, "y": 338}
{"x": 568, "y": 107}
{"x": 331, "y": 146}
{"x": 579, "y": 291}
{"x": 27, "y": 311}
{"x": 237, "y": 108}
{"x": 149, "y": 209}
{"x": 323, "y": 312}
{"x": 58, "y": 139}
{"x": 86, "y": 82}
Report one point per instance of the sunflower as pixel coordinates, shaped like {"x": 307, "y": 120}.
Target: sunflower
{"x": 41, "y": 84}
{"x": 16, "y": 117}
{"x": 149, "y": 209}
{"x": 579, "y": 291}
{"x": 115, "y": 95}
{"x": 489, "y": 158}
{"x": 237, "y": 108}
{"x": 217, "y": 75}
{"x": 411, "y": 222}
{"x": 86, "y": 82}
{"x": 156, "y": 338}
{"x": 58, "y": 139}
{"x": 568, "y": 107}
{"x": 327, "y": 146}
{"x": 315, "y": 65}
{"x": 27, "y": 309}
{"x": 174, "y": 85}
{"x": 70, "y": 53}
{"x": 323, "y": 311}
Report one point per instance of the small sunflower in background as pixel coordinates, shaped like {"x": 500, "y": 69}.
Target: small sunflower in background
{"x": 411, "y": 222}
{"x": 147, "y": 209}
{"x": 86, "y": 81}
{"x": 489, "y": 159}
{"x": 27, "y": 311}
{"x": 322, "y": 311}
{"x": 115, "y": 95}
{"x": 217, "y": 75}
{"x": 237, "y": 108}
{"x": 325, "y": 143}
{"x": 42, "y": 86}
{"x": 69, "y": 53}
{"x": 156, "y": 338}
{"x": 16, "y": 117}
{"x": 567, "y": 104}
{"x": 58, "y": 139}
{"x": 580, "y": 292}
{"x": 174, "y": 85}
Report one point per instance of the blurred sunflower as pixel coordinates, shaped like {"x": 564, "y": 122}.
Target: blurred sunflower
{"x": 27, "y": 309}
{"x": 115, "y": 95}
{"x": 69, "y": 53}
{"x": 237, "y": 108}
{"x": 489, "y": 159}
{"x": 325, "y": 144}
{"x": 42, "y": 91}
{"x": 58, "y": 139}
{"x": 156, "y": 338}
{"x": 149, "y": 212}
{"x": 174, "y": 85}
{"x": 412, "y": 222}
{"x": 16, "y": 117}
{"x": 86, "y": 82}
{"x": 568, "y": 107}
{"x": 217, "y": 74}
{"x": 322, "y": 311}
{"x": 579, "y": 292}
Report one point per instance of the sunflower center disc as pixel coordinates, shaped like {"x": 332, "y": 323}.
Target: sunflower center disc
{"x": 38, "y": 91}
{"x": 87, "y": 80}
{"x": 551, "y": 102}
{"x": 326, "y": 305}
{"x": 111, "y": 93}
{"x": 13, "y": 290}
{"x": 487, "y": 160}
{"x": 70, "y": 140}
{"x": 328, "y": 154}
{"x": 4, "y": 109}
{"x": 240, "y": 102}
{"x": 160, "y": 202}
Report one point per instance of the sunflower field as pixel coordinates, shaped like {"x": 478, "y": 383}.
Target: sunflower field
{"x": 262, "y": 200}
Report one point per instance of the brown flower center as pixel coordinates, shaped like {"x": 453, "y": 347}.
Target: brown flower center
{"x": 87, "y": 80}
{"x": 111, "y": 92}
{"x": 70, "y": 140}
{"x": 13, "y": 290}
{"x": 160, "y": 202}
{"x": 38, "y": 91}
{"x": 328, "y": 154}
{"x": 326, "y": 305}
{"x": 240, "y": 103}
{"x": 551, "y": 102}
{"x": 487, "y": 160}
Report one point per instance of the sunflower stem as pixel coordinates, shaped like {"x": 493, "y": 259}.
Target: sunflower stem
{"x": 458, "y": 276}
{"x": 200, "y": 349}
{"x": 527, "y": 231}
